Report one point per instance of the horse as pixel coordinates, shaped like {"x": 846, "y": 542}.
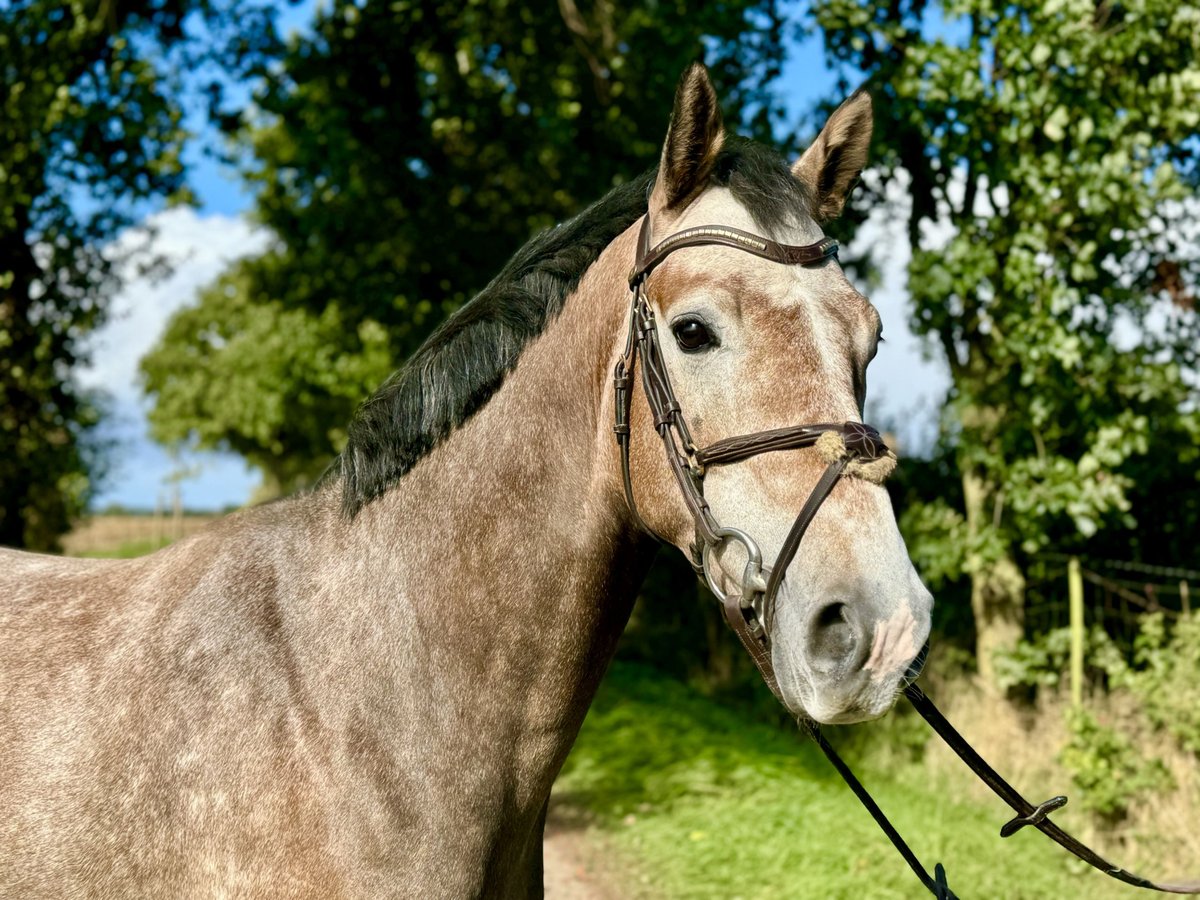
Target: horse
{"x": 367, "y": 689}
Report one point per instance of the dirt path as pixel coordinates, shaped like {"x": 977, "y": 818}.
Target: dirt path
{"x": 574, "y": 865}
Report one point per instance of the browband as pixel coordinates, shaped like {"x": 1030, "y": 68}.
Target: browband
{"x": 723, "y": 235}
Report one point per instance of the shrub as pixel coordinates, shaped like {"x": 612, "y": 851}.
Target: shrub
{"x": 1165, "y": 676}
{"x": 1163, "y": 673}
{"x": 1034, "y": 663}
{"x": 1106, "y": 768}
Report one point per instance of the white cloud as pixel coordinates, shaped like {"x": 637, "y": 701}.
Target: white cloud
{"x": 199, "y": 248}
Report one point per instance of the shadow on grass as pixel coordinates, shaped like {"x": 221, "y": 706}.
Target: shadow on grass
{"x": 707, "y": 803}
{"x": 651, "y": 739}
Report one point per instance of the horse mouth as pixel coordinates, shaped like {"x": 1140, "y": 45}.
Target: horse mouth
{"x": 913, "y": 672}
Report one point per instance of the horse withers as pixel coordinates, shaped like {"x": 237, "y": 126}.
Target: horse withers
{"x": 367, "y": 690}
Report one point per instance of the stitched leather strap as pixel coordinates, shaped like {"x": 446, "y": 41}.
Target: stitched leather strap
{"x": 752, "y": 640}
{"x": 744, "y": 446}
{"x": 724, "y": 236}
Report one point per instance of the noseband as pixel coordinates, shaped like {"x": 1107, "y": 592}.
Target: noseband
{"x": 850, "y": 448}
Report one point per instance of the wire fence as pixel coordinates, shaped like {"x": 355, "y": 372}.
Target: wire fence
{"x": 1116, "y": 595}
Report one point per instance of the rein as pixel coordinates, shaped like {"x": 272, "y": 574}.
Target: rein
{"x": 848, "y": 448}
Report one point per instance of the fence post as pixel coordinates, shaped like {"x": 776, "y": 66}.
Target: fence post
{"x": 1183, "y": 597}
{"x": 1075, "y": 595}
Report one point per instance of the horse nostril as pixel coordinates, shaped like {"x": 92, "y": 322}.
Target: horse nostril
{"x": 836, "y": 641}
{"x": 830, "y": 616}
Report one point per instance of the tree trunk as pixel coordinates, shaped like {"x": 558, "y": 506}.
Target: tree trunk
{"x": 18, "y": 365}
{"x": 13, "y": 497}
{"x": 997, "y": 585}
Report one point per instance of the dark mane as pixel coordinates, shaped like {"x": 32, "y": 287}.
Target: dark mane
{"x": 464, "y": 362}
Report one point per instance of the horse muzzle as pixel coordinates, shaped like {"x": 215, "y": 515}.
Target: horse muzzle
{"x": 844, "y": 661}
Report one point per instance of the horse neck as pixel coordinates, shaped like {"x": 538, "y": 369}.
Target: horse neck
{"x": 502, "y": 568}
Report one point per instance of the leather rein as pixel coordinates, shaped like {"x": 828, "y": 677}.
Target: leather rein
{"x": 848, "y": 448}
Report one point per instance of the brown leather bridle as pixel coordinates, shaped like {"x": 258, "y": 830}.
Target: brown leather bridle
{"x": 849, "y": 448}
{"x": 851, "y": 444}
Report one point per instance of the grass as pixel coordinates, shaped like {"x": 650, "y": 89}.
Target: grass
{"x": 125, "y": 535}
{"x": 128, "y": 550}
{"x": 700, "y": 801}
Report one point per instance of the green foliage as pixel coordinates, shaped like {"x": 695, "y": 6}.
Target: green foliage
{"x": 1042, "y": 660}
{"x": 1053, "y": 145}
{"x": 1162, "y": 672}
{"x": 1039, "y": 662}
{"x": 936, "y": 534}
{"x": 90, "y": 127}
{"x": 251, "y": 376}
{"x": 696, "y": 795}
{"x": 404, "y": 151}
{"x": 1165, "y": 675}
{"x": 1110, "y": 773}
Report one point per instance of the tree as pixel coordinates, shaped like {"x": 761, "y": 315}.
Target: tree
{"x": 90, "y": 130}
{"x": 403, "y": 152}
{"x": 246, "y": 373}
{"x": 1058, "y": 142}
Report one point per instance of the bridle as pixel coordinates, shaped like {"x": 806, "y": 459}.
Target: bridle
{"x": 849, "y": 448}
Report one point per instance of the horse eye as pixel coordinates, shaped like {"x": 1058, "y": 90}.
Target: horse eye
{"x": 691, "y": 334}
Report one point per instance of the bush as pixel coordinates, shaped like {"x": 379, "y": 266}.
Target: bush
{"x": 1043, "y": 660}
{"x": 1162, "y": 674}
{"x": 1107, "y": 769}
{"x": 1165, "y": 676}
{"x": 1036, "y": 663}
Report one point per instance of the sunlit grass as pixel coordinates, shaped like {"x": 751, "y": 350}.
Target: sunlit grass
{"x": 129, "y": 549}
{"x": 704, "y": 802}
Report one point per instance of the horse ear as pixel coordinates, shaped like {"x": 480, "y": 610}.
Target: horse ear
{"x": 693, "y": 140}
{"x": 830, "y": 166}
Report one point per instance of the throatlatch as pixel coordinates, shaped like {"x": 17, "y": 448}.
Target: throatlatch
{"x": 849, "y": 448}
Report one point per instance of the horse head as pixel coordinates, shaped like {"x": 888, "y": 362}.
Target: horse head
{"x": 754, "y": 344}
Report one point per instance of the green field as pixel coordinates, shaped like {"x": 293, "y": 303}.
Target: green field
{"x": 699, "y": 801}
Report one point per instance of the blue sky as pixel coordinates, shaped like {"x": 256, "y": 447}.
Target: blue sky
{"x": 202, "y": 242}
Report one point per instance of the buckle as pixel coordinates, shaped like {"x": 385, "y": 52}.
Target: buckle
{"x": 1012, "y": 826}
